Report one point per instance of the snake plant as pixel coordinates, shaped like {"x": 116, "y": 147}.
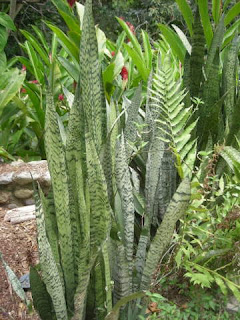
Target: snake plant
{"x": 90, "y": 257}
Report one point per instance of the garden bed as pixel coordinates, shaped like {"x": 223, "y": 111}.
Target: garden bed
{"x": 18, "y": 245}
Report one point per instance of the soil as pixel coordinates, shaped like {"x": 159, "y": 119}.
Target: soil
{"x": 18, "y": 244}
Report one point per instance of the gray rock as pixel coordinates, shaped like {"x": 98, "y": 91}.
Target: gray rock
{"x": 12, "y": 206}
{"x": 25, "y": 177}
{"x": 4, "y": 196}
{"x": 37, "y": 163}
{"x": 233, "y": 305}
{"x": 6, "y": 178}
{"x": 46, "y": 179}
{"x": 17, "y": 163}
{"x": 29, "y": 202}
{"x": 25, "y": 281}
{"x": 23, "y": 193}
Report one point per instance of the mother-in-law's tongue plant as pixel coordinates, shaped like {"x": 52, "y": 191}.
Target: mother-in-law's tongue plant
{"x": 90, "y": 261}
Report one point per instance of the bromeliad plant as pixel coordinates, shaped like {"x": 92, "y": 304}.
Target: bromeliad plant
{"x": 93, "y": 258}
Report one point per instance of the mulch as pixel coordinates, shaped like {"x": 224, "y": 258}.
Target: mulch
{"x": 18, "y": 244}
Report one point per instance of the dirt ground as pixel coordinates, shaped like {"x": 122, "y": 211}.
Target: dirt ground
{"x": 19, "y": 248}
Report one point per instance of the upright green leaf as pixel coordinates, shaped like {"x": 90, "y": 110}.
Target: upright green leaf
{"x": 13, "y": 279}
{"x": 100, "y": 208}
{"x": 49, "y": 268}
{"x": 90, "y": 80}
{"x": 176, "y": 208}
{"x": 132, "y": 38}
{"x": 215, "y": 46}
{"x": 41, "y": 299}
{"x": 232, "y": 13}
{"x": 130, "y": 131}
{"x": 206, "y": 23}
{"x": 216, "y": 10}
{"x": 174, "y": 41}
{"x": 11, "y": 87}
{"x": 197, "y": 57}
{"x": 229, "y": 79}
{"x": 58, "y": 171}
{"x": 6, "y": 21}
{"x": 126, "y": 194}
{"x": 187, "y": 14}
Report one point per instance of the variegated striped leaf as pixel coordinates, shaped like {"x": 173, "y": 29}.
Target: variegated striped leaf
{"x": 49, "y": 268}
{"x": 58, "y": 171}
{"x": 176, "y": 208}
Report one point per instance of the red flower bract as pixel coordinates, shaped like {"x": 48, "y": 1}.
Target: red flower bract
{"x": 61, "y": 97}
{"x": 131, "y": 27}
{"x": 124, "y": 73}
{"x": 34, "y": 81}
{"x": 113, "y": 53}
{"x": 71, "y": 2}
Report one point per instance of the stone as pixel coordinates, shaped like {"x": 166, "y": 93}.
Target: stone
{"x": 23, "y": 193}
{"x": 25, "y": 177}
{"x": 25, "y": 281}
{"x": 20, "y": 214}
{"x": 6, "y": 178}
{"x": 37, "y": 163}
{"x": 12, "y": 206}
{"x": 29, "y": 202}
{"x": 46, "y": 179}
{"x": 17, "y": 163}
{"x": 233, "y": 305}
{"x": 4, "y": 197}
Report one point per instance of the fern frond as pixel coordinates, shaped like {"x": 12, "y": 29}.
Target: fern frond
{"x": 172, "y": 121}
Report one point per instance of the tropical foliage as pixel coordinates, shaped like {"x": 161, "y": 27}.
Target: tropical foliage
{"x": 140, "y": 136}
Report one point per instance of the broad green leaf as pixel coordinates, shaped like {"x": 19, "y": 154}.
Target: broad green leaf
{"x": 41, "y": 38}
{"x": 35, "y": 43}
{"x": 132, "y": 38}
{"x": 230, "y": 32}
{"x": 147, "y": 49}
{"x": 187, "y": 14}
{"x": 6, "y": 21}
{"x": 216, "y": 10}
{"x": 174, "y": 41}
{"x": 183, "y": 38}
{"x": 36, "y": 63}
{"x": 68, "y": 45}
{"x": 206, "y": 23}
{"x": 80, "y": 11}
{"x": 3, "y": 62}
{"x": 232, "y": 13}
{"x": 71, "y": 22}
{"x": 71, "y": 68}
{"x": 3, "y": 38}
{"x": 12, "y": 86}
{"x": 139, "y": 62}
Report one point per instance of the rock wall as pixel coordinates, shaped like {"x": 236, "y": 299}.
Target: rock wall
{"x": 16, "y": 187}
